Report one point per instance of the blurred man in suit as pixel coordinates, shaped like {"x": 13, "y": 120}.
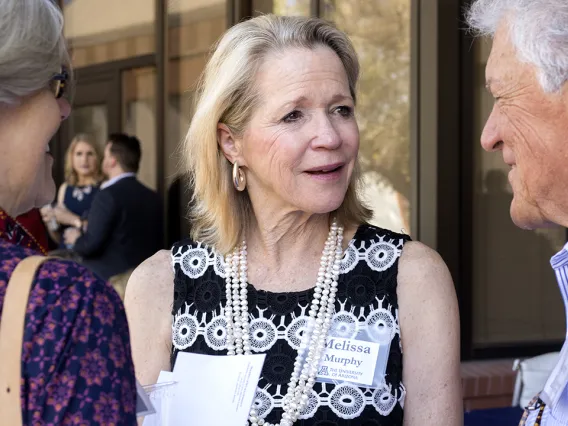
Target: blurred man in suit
{"x": 126, "y": 218}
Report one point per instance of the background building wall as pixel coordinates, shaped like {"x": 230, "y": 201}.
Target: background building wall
{"x": 421, "y": 108}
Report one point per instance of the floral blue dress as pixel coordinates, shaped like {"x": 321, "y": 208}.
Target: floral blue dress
{"x": 76, "y": 361}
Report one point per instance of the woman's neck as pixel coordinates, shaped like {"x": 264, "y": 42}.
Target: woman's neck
{"x": 278, "y": 238}
{"x": 85, "y": 180}
{"x": 284, "y": 250}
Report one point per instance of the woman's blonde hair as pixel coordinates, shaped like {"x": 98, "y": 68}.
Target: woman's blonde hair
{"x": 226, "y": 94}
{"x": 70, "y": 174}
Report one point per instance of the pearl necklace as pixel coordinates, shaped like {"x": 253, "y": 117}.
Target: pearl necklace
{"x": 314, "y": 337}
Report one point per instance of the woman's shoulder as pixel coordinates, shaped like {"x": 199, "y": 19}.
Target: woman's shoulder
{"x": 419, "y": 259}
{"x": 71, "y": 278}
{"x": 156, "y": 267}
{"x": 150, "y": 289}
{"x": 193, "y": 259}
{"x": 413, "y": 255}
{"x": 63, "y": 284}
{"x": 152, "y": 279}
{"x": 376, "y": 250}
{"x": 63, "y": 189}
{"x": 65, "y": 273}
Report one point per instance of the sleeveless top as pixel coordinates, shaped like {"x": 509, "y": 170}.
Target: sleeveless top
{"x": 78, "y": 199}
{"x": 366, "y": 296}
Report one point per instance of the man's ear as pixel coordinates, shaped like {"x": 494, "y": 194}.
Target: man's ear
{"x": 111, "y": 160}
{"x": 230, "y": 146}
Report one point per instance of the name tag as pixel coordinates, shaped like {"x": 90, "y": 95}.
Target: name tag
{"x": 349, "y": 360}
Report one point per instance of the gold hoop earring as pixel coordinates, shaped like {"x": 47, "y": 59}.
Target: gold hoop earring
{"x": 239, "y": 179}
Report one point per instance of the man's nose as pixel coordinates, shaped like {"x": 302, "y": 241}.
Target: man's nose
{"x": 491, "y": 136}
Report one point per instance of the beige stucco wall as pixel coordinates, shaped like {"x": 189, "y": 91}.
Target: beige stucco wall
{"x": 102, "y": 18}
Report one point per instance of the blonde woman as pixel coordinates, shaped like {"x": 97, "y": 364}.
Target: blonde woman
{"x": 281, "y": 253}
{"x": 82, "y": 178}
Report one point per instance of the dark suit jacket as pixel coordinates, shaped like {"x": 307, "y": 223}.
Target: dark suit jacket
{"x": 125, "y": 227}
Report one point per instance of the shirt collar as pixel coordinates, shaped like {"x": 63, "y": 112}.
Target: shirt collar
{"x": 12, "y": 232}
{"x": 116, "y": 179}
{"x": 561, "y": 258}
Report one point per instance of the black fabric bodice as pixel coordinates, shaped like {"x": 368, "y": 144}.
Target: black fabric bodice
{"x": 366, "y": 296}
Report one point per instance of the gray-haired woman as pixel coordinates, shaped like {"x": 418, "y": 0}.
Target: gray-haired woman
{"x": 76, "y": 366}
{"x": 273, "y": 151}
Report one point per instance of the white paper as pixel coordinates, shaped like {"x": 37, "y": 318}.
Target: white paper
{"x": 143, "y": 405}
{"x": 161, "y": 395}
{"x": 214, "y": 390}
{"x": 165, "y": 376}
{"x": 349, "y": 360}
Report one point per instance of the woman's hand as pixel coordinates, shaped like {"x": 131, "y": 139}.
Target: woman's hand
{"x": 66, "y": 217}
{"x": 48, "y": 217}
{"x": 60, "y": 214}
{"x": 47, "y": 214}
{"x": 71, "y": 235}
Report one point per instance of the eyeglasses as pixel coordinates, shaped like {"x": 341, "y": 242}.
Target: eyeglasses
{"x": 535, "y": 404}
{"x": 58, "y": 83}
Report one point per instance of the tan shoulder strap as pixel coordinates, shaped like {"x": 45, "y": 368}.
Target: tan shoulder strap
{"x": 11, "y": 337}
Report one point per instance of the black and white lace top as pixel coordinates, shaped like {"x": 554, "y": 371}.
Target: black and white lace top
{"x": 366, "y": 296}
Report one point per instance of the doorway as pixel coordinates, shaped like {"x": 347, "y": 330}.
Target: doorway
{"x": 107, "y": 98}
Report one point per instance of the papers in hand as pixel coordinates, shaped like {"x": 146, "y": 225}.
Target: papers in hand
{"x": 143, "y": 405}
{"x": 209, "y": 390}
{"x": 161, "y": 396}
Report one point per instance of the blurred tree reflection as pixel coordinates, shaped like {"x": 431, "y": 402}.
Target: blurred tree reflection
{"x": 291, "y": 7}
{"x": 380, "y": 31}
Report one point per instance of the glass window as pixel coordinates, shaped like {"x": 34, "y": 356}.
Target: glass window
{"x": 380, "y": 31}
{"x": 282, "y": 7}
{"x": 93, "y": 120}
{"x": 104, "y": 30}
{"x": 516, "y": 298}
{"x": 194, "y": 26}
{"x": 139, "y": 118}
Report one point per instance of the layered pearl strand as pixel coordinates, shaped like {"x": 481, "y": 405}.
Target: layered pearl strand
{"x": 314, "y": 338}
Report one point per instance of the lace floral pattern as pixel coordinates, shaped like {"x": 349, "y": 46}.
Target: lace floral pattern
{"x": 282, "y": 303}
{"x": 207, "y": 296}
{"x": 366, "y": 298}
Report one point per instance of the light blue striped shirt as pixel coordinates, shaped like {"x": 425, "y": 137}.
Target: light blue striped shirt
{"x": 115, "y": 179}
{"x": 555, "y": 393}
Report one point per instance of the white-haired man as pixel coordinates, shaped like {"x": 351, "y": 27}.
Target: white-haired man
{"x": 527, "y": 74}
